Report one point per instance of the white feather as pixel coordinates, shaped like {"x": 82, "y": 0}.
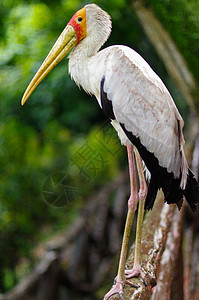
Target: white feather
{"x": 140, "y": 99}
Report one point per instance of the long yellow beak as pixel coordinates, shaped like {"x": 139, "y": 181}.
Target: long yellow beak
{"x": 62, "y": 46}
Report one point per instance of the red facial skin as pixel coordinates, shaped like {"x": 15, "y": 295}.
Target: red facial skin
{"x": 79, "y": 26}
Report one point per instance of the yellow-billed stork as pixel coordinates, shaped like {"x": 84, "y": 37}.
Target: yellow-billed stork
{"x": 139, "y": 107}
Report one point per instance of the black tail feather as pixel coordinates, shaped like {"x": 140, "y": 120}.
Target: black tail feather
{"x": 191, "y": 191}
{"x": 173, "y": 193}
{"x": 161, "y": 178}
{"x": 151, "y": 195}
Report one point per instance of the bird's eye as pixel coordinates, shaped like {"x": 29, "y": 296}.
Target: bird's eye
{"x": 78, "y": 20}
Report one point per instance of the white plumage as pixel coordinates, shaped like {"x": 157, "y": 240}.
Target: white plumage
{"x": 140, "y": 101}
{"x": 132, "y": 96}
{"x": 139, "y": 107}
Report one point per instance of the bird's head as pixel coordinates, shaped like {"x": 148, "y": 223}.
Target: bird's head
{"x": 91, "y": 23}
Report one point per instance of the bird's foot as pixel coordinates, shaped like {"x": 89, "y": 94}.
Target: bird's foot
{"x": 117, "y": 288}
{"x": 135, "y": 272}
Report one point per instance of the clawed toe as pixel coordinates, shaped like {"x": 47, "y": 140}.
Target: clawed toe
{"x": 135, "y": 272}
{"x": 117, "y": 288}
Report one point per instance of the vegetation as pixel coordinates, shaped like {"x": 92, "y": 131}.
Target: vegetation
{"x": 180, "y": 18}
{"x": 45, "y": 137}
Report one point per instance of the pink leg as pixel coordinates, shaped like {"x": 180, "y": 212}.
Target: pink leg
{"x": 136, "y": 271}
{"x": 132, "y": 206}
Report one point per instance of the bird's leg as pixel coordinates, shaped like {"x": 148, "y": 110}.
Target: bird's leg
{"x": 132, "y": 205}
{"x": 136, "y": 271}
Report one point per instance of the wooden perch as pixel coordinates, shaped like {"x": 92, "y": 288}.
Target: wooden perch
{"x": 161, "y": 249}
{"x": 81, "y": 262}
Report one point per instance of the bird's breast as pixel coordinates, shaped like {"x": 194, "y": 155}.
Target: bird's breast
{"x": 87, "y": 73}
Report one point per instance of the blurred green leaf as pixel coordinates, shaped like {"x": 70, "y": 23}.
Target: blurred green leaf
{"x": 59, "y": 123}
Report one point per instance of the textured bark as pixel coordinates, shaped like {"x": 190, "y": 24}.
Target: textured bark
{"x": 160, "y": 247}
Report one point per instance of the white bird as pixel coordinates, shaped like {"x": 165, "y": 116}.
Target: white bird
{"x": 139, "y": 107}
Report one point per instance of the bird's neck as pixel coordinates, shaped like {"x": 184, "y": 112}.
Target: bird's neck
{"x": 80, "y": 61}
{"x": 83, "y": 59}
{"x": 85, "y": 49}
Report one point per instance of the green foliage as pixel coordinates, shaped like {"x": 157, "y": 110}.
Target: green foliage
{"x": 181, "y": 19}
{"x": 96, "y": 159}
{"x": 26, "y": 162}
{"x": 35, "y": 142}
{"x": 24, "y": 165}
{"x": 53, "y": 133}
{"x": 21, "y": 56}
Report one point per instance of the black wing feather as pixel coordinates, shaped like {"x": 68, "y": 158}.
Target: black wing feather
{"x": 105, "y": 102}
{"x": 161, "y": 178}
